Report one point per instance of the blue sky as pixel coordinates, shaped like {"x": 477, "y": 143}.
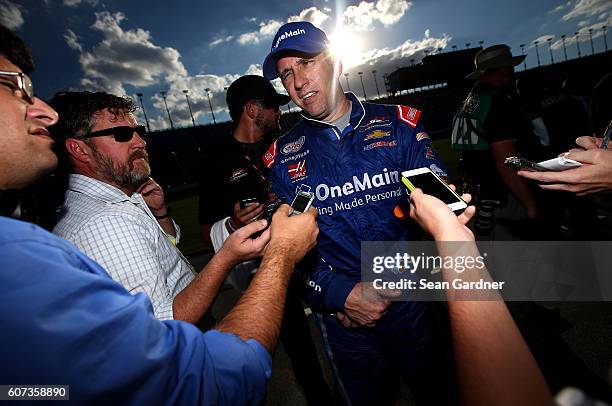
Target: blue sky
{"x": 127, "y": 47}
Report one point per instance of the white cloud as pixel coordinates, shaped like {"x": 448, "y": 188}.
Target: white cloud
{"x": 355, "y": 18}
{"x": 198, "y": 98}
{"x": 312, "y": 14}
{"x": 590, "y": 8}
{"x": 266, "y": 29}
{"x": 387, "y": 60}
{"x": 561, "y": 7}
{"x": 74, "y": 3}
{"x": 127, "y": 57}
{"x": 130, "y": 57}
{"x": 73, "y": 40}
{"x": 583, "y": 23}
{"x": 401, "y": 54}
{"x": 10, "y": 15}
{"x": 248, "y": 38}
{"x": 541, "y": 40}
{"x": 220, "y": 40}
{"x": 363, "y": 16}
{"x": 216, "y": 42}
{"x": 583, "y": 34}
{"x": 254, "y": 69}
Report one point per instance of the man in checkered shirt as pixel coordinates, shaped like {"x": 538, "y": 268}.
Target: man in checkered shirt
{"x": 116, "y": 213}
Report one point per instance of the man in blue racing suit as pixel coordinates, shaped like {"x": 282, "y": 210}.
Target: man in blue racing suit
{"x": 350, "y": 155}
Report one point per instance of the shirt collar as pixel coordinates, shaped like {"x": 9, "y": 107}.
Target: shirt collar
{"x": 357, "y": 113}
{"x": 97, "y": 189}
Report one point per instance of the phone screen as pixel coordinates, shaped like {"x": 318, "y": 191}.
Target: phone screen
{"x": 300, "y": 203}
{"x": 430, "y": 185}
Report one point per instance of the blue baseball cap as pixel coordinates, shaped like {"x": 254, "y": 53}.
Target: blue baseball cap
{"x": 299, "y": 36}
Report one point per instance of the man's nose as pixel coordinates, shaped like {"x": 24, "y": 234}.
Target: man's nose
{"x": 42, "y": 112}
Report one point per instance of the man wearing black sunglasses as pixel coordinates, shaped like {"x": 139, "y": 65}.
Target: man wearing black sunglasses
{"x": 116, "y": 213}
{"x": 65, "y": 321}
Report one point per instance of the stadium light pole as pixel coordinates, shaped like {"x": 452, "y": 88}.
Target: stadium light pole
{"x": 144, "y": 113}
{"x": 348, "y": 87}
{"x": 365, "y": 97}
{"x": 523, "y": 53}
{"x": 467, "y": 45}
{"x": 564, "y": 49}
{"x": 481, "y": 43}
{"x": 412, "y": 62}
{"x": 591, "y": 39}
{"x": 578, "y": 44}
{"x": 210, "y": 105}
{"x": 537, "y": 52}
{"x": 454, "y": 48}
{"x": 189, "y": 105}
{"x": 163, "y": 95}
{"x": 386, "y": 80}
{"x": 549, "y": 40}
{"x": 376, "y": 82}
{"x": 603, "y": 28}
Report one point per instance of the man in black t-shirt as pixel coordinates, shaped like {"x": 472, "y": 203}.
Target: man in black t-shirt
{"x": 235, "y": 173}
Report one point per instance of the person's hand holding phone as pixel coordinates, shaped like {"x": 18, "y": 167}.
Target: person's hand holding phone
{"x": 437, "y": 219}
{"x": 246, "y": 215}
{"x": 293, "y": 236}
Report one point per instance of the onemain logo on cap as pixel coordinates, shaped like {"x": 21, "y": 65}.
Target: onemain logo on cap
{"x": 288, "y": 34}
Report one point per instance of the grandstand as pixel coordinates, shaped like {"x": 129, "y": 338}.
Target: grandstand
{"x": 436, "y": 86}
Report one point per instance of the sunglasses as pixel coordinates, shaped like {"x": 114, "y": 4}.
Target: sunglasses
{"x": 122, "y": 133}
{"x": 24, "y": 84}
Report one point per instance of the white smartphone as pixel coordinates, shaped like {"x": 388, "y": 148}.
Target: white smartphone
{"x": 432, "y": 184}
{"x": 302, "y": 202}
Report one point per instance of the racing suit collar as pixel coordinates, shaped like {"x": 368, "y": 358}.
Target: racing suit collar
{"x": 357, "y": 113}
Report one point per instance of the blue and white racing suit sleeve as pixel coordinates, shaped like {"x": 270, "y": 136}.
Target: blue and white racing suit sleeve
{"x": 328, "y": 289}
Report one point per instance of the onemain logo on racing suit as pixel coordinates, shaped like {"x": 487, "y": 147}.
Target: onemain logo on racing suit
{"x": 359, "y": 184}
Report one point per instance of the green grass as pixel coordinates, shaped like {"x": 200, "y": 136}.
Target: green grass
{"x": 185, "y": 213}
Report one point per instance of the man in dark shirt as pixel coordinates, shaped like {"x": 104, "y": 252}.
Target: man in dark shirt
{"x": 491, "y": 126}
{"x": 234, "y": 192}
{"x": 234, "y": 165}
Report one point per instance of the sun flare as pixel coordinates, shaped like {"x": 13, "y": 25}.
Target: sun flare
{"x": 346, "y": 46}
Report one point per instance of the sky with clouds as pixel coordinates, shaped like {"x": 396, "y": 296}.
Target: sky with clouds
{"x": 130, "y": 47}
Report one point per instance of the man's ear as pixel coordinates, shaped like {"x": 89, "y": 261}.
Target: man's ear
{"x": 340, "y": 68}
{"x": 78, "y": 150}
{"x": 249, "y": 110}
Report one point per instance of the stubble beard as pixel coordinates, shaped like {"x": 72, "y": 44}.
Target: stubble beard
{"x": 267, "y": 126}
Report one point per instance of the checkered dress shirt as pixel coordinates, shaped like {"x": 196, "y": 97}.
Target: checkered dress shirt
{"x": 121, "y": 234}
